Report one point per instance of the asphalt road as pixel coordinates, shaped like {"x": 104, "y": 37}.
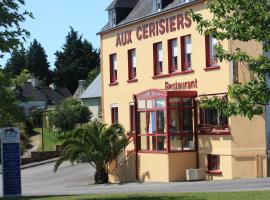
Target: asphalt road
{"x": 78, "y": 179}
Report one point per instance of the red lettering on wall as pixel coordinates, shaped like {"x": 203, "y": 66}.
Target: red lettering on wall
{"x": 188, "y": 85}
{"x": 139, "y": 33}
{"x": 161, "y": 26}
{"x": 152, "y": 29}
{"x": 145, "y": 31}
{"x": 188, "y": 21}
{"x": 124, "y": 38}
{"x": 172, "y": 24}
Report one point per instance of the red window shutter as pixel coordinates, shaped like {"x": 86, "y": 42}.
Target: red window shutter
{"x": 129, "y": 65}
{"x": 111, "y": 68}
{"x": 170, "y": 55}
{"x": 207, "y": 51}
{"x": 155, "y": 58}
{"x": 183, "y": 61}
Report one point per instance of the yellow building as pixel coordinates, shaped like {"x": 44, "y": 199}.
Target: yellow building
{"x": 155, "y": 67}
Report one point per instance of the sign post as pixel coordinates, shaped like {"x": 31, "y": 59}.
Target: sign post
{"x": 11, "y": 162}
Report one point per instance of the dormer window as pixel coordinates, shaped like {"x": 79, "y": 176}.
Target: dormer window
{"x": 112, "y": 17}
{"x": 159, "y": 5}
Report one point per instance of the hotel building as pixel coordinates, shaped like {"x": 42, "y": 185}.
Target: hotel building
{"x": 155, "y": 68}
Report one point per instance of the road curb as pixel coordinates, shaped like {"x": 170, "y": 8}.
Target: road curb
{"x": 34, "y": 164}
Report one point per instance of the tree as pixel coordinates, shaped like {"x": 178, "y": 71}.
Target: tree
{"x": 11, "y": 32}
{"x": 75, "y": 61}
{"x": 37, "y": 63}
{"x": 242, "y": 20}
{"x": 94, "y": 144}
{"x": 69, "y": 113}
{"x": 10, "y": 111}
{"x": 92, "y": 75}
{"x": 17, "y": 63}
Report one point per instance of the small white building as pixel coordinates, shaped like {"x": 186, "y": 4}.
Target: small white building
{"x": 91, "y": 97}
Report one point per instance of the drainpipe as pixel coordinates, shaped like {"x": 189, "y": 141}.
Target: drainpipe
{"x": 267, "y": 124}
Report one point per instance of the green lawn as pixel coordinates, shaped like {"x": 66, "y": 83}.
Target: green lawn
{"x": 50, "y": 139}
{"x": 265, "y": 195}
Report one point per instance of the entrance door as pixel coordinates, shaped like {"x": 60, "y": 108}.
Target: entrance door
{"x": 182, "y": 121}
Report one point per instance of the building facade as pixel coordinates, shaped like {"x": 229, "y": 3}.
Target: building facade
{"x": 155, "y": 68}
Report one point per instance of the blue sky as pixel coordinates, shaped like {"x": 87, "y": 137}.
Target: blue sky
{"x": 53, "y": 18}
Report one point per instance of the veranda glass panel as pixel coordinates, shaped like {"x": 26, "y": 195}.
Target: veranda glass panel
{"x": 143, "y": 143}
{"x": 161, "y": 121}
{"x": 142, "y": 122}
{"x": 175, "y": 102}
{"x": 160, "y": 103}
{"x": 161, "y": 143}
{"x": 141, "y": 104}
{"x": 152, "y": 125}
{"x": 188, "y": 120}
{"x": 152, "y": 143}
{"x": 176, "y": 143}
{"x": 189, "y": 143}
{"x": 174, "y": 121}
{"x": 188, "y": 102}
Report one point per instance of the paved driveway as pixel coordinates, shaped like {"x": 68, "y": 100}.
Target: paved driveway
{"x": 78, "y": 179}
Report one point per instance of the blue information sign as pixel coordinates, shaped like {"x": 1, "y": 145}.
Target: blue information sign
{"x": 11, "y": 164}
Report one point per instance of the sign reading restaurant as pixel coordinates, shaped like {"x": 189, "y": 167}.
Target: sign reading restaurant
{"x": 153, "y": 29}
{"x": 187, "y": 85}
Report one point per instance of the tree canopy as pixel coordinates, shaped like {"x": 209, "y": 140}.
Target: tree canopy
{"x": 10, "y": 111}
{"x": 17, "y": 62}
{"x": 36, "y": 62}
{"x": 75, "y": 61}
{"x": 242, "y": 20}
{"x": 11, "y": 31}
{"x": 69, "y": 113}
{"x": 95, "y": 144}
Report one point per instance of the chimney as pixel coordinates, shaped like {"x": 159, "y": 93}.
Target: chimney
{"x": 53, "y": 86}
{"x": 81, "y": 83}
{"x": 34, "y": 81}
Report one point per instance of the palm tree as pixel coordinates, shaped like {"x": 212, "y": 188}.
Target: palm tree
{"x": 94, "y": 144}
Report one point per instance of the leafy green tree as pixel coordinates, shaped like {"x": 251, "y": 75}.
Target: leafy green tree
{"x": 10, "y": 111}
{"x": 75, "y": 61}
{"x": 242, "y": 20}
{"x": 92, "y": 75}
{"x": 94, "y": 144}
{"x": 37, "y": 63}
{"x": 11, "y": 33}
{"x": 69, "y": 113}
{"x": 17, "y": 63}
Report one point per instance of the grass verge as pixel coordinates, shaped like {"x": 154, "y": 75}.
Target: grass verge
{"x": 259, "y": 195}
{"x": 50, "y": 139}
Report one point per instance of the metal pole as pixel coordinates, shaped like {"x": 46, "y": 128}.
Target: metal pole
{"x": 42, "y": 132}
{"x": 267, "y": 124}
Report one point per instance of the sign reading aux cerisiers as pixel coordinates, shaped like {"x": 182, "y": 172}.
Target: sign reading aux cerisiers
{"x": 153, "y": 29}
{"x": 187, "y": 85}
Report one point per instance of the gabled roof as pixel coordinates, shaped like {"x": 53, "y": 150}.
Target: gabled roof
{"x": 94, "y": 89}
{"x": 64, "y": 92}
{"x": 143, "y": 9}
{"x": 122, "y": 4}
{"x": 30, "y": 93}
{"x": 52, "y": 95}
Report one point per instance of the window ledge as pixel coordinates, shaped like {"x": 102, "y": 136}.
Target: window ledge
{"x": 212, "y": 68}
{"x": 215, "y": 172}
{"x": 215, "y": 132}
{"x": 113, "y": 84}
{"x": 172, "y": 74}
{"x": 132, "y": 80}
